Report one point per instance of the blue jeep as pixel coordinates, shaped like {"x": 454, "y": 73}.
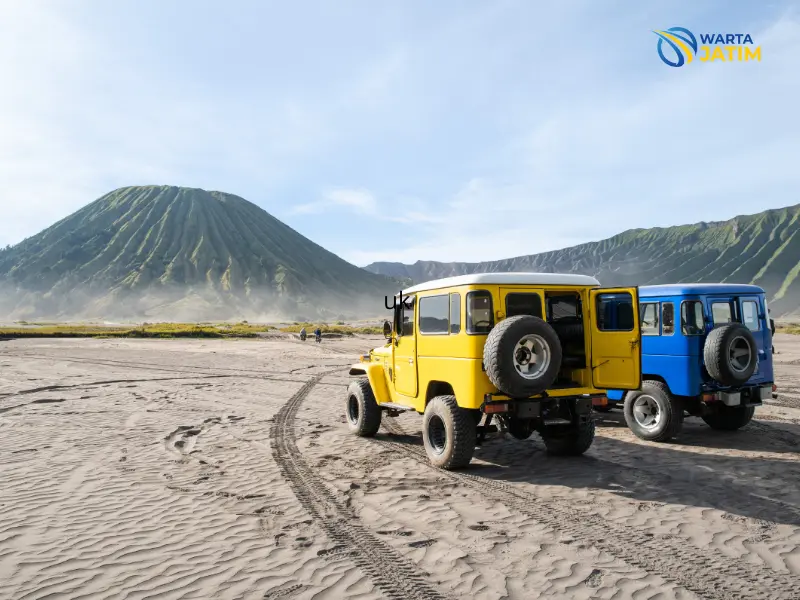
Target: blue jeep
{"x": 706, "y": 351}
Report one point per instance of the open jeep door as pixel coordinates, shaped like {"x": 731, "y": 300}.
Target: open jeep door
{"x": 616, "y": 338}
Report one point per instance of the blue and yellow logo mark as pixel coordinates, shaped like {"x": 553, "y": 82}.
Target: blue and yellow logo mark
{"x": 682, "y": 42}
{"x": 681, "y": 47}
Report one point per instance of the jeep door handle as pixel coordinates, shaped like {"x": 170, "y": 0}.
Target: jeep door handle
{"x": 411, "y": 361}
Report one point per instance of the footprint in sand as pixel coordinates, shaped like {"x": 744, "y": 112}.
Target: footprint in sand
{"x": 595, "y": 579}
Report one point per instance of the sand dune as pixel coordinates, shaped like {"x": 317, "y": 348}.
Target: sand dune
{"x": 223, "y": 469}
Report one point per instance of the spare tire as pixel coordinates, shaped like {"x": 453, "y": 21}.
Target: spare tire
{"x": 522, "y": 356}
{"x": 569, "y": 331}
{"x": 730, "y": 354}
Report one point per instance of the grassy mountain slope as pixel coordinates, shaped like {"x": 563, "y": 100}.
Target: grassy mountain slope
{"x": 763, "y": 249}
{"x": 179, "y": 253}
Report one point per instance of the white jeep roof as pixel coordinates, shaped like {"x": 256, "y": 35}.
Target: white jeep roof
{"x": 505, "y": 279}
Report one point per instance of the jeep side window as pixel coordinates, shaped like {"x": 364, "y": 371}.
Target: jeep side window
{"x": 721, "y": 313}
{"x": 615, "y": 312}
{"x": 648, "y": 314}
{"x": 750, "y": 315}
{"x": 407, "y": 317}
{"x": 455, "y": 313}
{"x": 480, "y": 314}
{"x": 667, "y": 318}
{"x": 434, "y": 314}
{"x": 692, "y": 322}
{"x": 523, "y": 304}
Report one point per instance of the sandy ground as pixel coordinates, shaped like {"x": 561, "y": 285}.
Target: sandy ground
{"x": 223, "y": 469}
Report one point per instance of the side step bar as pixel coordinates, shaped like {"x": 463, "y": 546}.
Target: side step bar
{"x": 395, "y": 409}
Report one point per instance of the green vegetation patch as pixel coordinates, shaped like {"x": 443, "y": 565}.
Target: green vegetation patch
{"x": 792, "y": 328}
{"x": 145, "y": 330}
{"x": 340, "y": 329}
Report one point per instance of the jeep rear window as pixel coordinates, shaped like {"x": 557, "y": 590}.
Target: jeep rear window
{"x": 615, "y": 312}
{"x": 692, "y": 322}
{"x": 563, "y": 307}
{"x": 523, "y": 304}
{"x": 667, "y": 318}
{"x": 648, "y": 314}
{"x": 750, "y": 315}
{"x": 721, "y": 313}
{"x": 480, "y": 315}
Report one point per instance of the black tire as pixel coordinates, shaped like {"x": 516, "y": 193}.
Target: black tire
{"x": 670, "y": 412}
{"x": 521, "y": 429}
{"x": 718, "y": 352}
{"x": 569, "y": 331}
{"x": 568, "y": 441}
{"x": 499, "y": 356}
{"x": 449, "y": 433}
{"x": 730, "y": 418}
{"x": 362, "y": 412}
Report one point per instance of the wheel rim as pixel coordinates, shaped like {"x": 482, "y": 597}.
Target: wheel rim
{"x": 531, "y": 356}
{"x": 352, "y": 410}
{"x": 647, "y": 412}
{"x": 437, "y": 434}
{"x": 739, "y": 354}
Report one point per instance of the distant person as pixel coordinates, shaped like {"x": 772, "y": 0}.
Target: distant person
{"x": 318, "y": 334}
{"x": 772, "y": 328}
{"x": 303, "y": 334}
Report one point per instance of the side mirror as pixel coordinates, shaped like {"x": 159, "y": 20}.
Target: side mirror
{"x": 387, "y": 330}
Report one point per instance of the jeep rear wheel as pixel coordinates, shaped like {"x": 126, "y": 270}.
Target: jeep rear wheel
{"x": 568, "y": 441}
{"x": 362, "y": 411}
{"x": 449, "y": 433}
{"x": 730, "y": 418}
{"x": 522, "y": 356}
{"x": 652, "y": 413}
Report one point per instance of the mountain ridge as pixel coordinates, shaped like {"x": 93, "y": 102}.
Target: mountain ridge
{"x": 182, "y": 253}
{"x": 761, "y": 248}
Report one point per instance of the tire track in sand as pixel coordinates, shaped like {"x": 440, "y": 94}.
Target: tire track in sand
{"x": 704, "y": 573}
{"x": 397, "y": 577}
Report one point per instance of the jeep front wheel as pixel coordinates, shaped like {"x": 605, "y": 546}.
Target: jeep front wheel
{"x": 449, "y": 433}
{"x": 568, "y": 441}
{"x": 652, "y": 413}
{"x": 362, "y": 411}
{"x": 730, "y": 418}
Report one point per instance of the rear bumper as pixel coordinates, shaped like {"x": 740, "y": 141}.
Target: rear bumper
{"x": 548, "y": 410}
{"x": 746, "y": 396}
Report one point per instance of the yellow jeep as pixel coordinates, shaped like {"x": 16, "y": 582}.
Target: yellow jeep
{"x": 531, "y": 349}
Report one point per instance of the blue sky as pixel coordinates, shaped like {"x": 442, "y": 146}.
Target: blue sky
{"x": 401, "y": 130}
